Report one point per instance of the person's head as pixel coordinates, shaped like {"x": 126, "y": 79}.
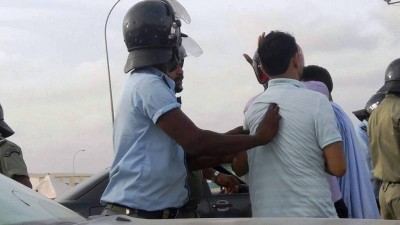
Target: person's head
{"x": 318, "y": 87}
{"x": 392, "y": 78}
{"x": 176, "y": 74}
{"x": 152, "y": 34}
{"x": 317, "y": 73}
{"x": 372, "y": 104}
{"x": 280, "y": 55}
{"x": 5, "y": 130}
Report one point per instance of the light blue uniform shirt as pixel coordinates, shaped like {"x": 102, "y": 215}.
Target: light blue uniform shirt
{"x": 362, "y": 136}
{"x": 149, "y": 169}
{"x": 287, "y": 176}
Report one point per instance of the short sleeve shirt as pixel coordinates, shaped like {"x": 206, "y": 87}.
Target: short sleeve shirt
{"x": 149, "y": 169}
{"x": 287, "y": 176}
{"x": 384, "y": 133}
{"x": 11, "y": 160}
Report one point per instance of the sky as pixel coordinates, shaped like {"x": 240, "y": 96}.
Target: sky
{"x": 53, "y": 70}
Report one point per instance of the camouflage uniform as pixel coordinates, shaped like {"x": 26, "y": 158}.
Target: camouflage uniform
{"x": 11, "y": 159}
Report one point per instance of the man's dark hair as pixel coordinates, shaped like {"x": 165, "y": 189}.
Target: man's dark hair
{"x": 276, "y": 51}
{"x": 317, "y": 73}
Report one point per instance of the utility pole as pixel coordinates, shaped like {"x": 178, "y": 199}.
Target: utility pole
{"x": 108, "y": 63}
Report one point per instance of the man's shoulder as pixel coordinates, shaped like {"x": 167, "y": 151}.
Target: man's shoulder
{"x": 146, "y": 81}
{"x": 8, "y": 148}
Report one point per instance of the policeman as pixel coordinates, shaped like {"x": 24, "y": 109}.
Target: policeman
{"x": 12, "y": 162}
{"x": 152, "y": 136}
{"x": 384, "y": 134}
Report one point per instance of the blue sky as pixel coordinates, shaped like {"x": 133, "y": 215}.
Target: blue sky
{"x": 54, "y": 87}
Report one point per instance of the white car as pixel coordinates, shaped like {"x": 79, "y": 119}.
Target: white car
{"x": 20, "y": 205}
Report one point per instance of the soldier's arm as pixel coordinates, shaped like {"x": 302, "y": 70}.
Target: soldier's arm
{"x": 23, "y": 180}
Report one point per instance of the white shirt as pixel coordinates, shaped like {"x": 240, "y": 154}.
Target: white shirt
{"x": 287, "y": 176}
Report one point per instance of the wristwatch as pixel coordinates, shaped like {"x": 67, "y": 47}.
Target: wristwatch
{"x": 214, "y": 176}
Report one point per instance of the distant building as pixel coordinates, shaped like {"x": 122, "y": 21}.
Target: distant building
{"x": 67, "y": 178}
{"x": 54, "y": 184}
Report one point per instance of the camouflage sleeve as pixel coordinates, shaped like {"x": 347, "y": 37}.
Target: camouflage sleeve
{"x": 11, "y": 160}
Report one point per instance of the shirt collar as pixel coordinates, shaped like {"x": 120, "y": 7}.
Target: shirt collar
{"x": 152, "y": 70}
{"x": 286, "y": 82}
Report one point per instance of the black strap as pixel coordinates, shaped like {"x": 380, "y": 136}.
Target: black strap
{"x": 364, "y": 128}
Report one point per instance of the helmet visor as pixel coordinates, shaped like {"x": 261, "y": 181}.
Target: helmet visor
{"x": 180, "y": 11}
{"x": 190, "y": 47}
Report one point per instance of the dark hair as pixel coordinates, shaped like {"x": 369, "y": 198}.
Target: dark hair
{"x": 276, "y": 51}
{"x": 317, "y": 73}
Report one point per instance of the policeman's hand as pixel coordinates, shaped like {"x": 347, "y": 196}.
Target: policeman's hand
{"x": 269, "y": 125}
{"x": 229, "y": 182}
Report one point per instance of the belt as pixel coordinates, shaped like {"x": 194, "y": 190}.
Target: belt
{"x": 169, "y": 213}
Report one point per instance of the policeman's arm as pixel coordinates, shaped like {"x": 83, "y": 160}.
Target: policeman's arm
{"x": 335, "y": 162}
{"x": 196, "y": 141}
{"x": 240, "y": 165}
{"x": 23, "y": 180}
{"x": 229, "y": 182}
{"x": 201, "y": 162}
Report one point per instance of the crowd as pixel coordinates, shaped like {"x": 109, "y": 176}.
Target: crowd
{"x": 299, "y": 150}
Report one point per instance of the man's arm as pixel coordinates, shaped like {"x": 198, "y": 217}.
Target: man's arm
{"x": 229, "y": 182}
{"x": 335, "y": 163}
{"x": 201, "y": 162}
{"x": 240, "y": 165}
{"x": 203, "y": 142}
{"x": 23, "y": 180}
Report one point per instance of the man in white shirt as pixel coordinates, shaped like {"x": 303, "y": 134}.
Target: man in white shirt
{"x": 287, "y": 176}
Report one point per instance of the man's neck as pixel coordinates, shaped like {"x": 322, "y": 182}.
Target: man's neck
{"x": 287, "y": 75}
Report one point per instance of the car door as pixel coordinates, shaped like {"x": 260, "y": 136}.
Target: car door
{"x": 216, "y": 204}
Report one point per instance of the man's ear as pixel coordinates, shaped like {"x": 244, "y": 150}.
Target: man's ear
{"x": 296, "y": 59}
